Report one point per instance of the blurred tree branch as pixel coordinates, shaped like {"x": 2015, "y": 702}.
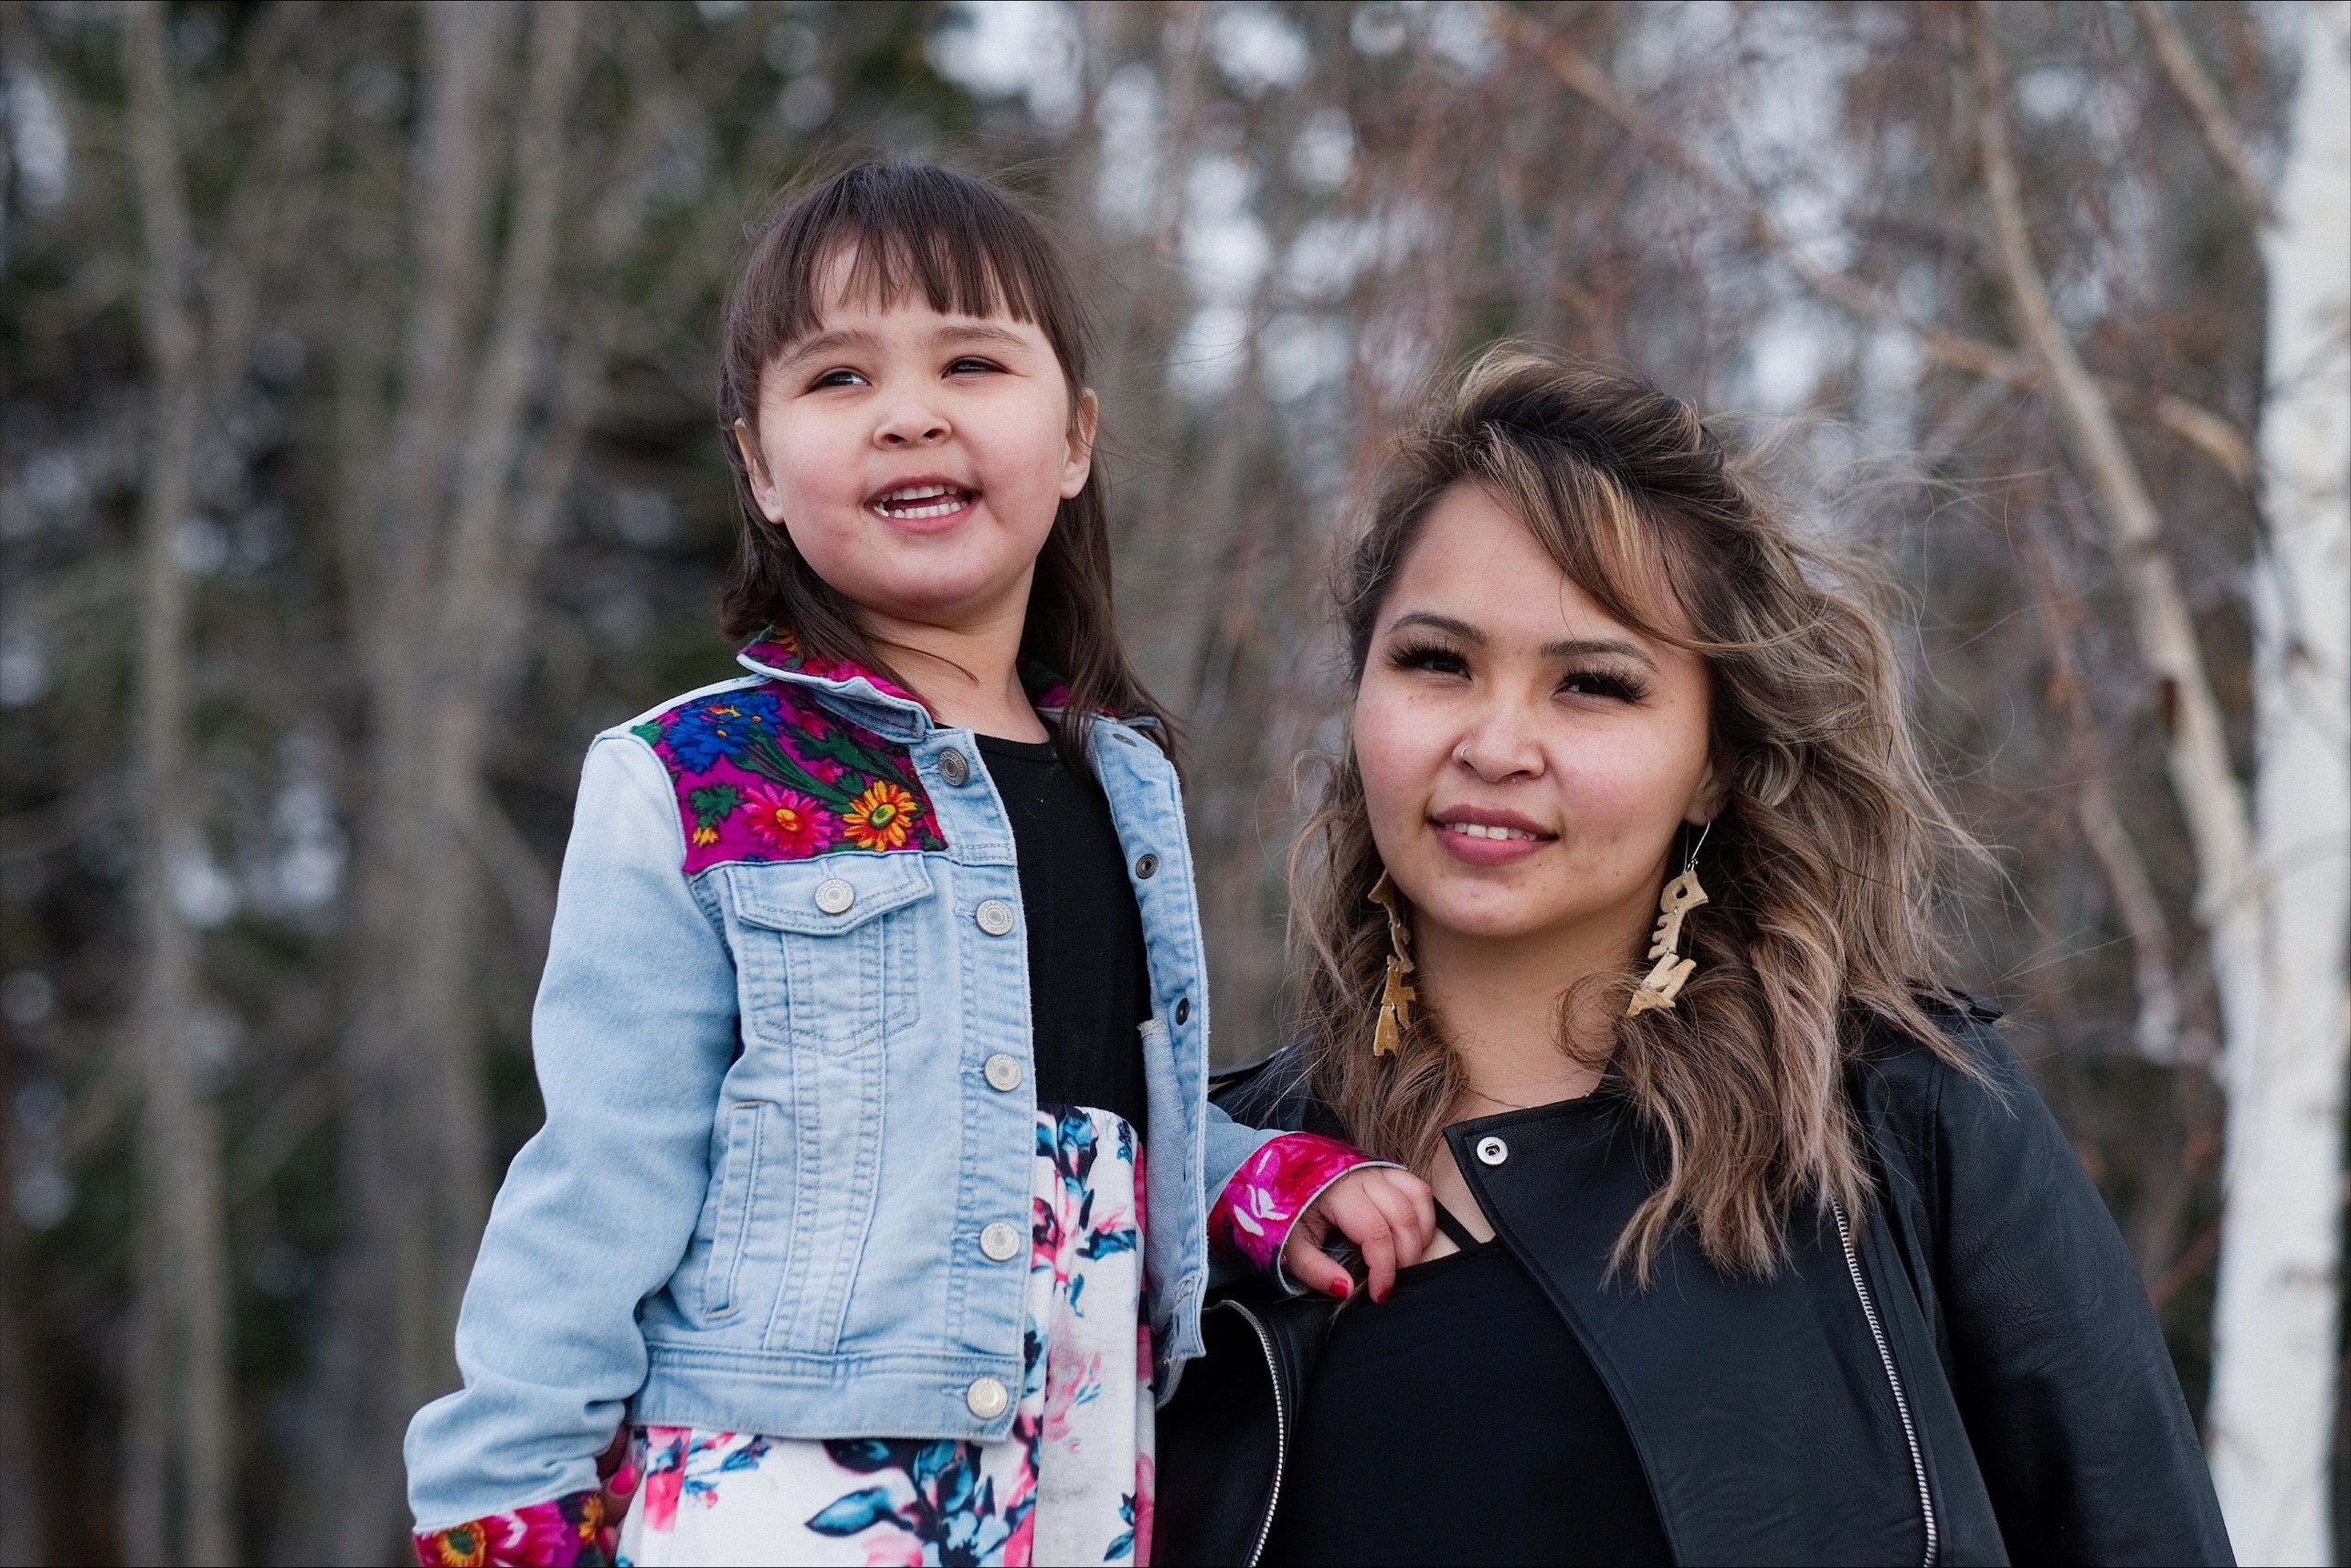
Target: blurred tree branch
{"x": 2189, "y": 79}
{"x": 2211, "y": 433}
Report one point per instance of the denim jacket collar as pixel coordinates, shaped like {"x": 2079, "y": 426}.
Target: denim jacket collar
{"x": 876, "y": 701}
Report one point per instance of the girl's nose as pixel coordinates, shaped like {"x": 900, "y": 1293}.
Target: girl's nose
{"x": 911, "y": 425}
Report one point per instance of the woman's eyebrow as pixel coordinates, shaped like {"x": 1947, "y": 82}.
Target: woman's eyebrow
{"x": 1444, "y": 623}
{"x": 1585, "y": 647}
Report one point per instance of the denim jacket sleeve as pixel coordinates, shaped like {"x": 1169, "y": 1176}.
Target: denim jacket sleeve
{"x": 632, "y": 1033}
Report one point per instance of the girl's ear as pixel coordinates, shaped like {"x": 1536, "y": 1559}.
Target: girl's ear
{"x": 763, "y": 484}
{"x": 1086, "y": 420}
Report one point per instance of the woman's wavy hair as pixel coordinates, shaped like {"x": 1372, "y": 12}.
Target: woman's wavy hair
{"x": 1822, "y": 865}
{"x": 965, "y": 246}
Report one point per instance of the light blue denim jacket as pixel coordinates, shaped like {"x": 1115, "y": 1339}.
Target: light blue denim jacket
{"x": 787, "y": 947}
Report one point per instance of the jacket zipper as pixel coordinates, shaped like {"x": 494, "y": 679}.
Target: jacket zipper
{"x": 1281, "y": 1430}
{"x": 1893, "y": 1378}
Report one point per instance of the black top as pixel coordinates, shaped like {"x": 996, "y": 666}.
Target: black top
{"x": 1459, "y": 1421}
{"x": 1089, "y": 985}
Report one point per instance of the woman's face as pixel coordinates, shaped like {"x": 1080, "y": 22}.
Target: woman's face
{"x": 1526, "y": 756}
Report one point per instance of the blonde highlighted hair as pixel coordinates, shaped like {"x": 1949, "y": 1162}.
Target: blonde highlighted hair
{"x": 1822, "y": 865}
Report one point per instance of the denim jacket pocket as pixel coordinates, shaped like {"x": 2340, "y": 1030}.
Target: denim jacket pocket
{"x": 825, "y": 961}
{"x": 749, "y": 1136}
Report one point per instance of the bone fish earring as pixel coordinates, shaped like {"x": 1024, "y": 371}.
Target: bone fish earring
{"x": 1396, "y": 1000}
{"x": 1664, "y": 982}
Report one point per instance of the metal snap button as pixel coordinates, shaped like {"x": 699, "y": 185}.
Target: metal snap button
{"x": 952, "y": 767}
{"x": 1492, "y": 1150}
{"x": 1184, "y": 1010}
{"x": 1003, "y": 1073}
{"x": 995, "y": 917}
{"x": 986, "y": 1398}
{"x": 999, "y": 1242}
{"x": 1146, "y": 866}
{"x": 834, "y": 896}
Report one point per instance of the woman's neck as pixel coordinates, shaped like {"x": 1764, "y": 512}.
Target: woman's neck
{"x": 1499, "y": 1003}
{"x": 967, "y": 672}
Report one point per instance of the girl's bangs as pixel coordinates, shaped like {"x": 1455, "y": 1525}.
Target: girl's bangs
{"x": 886, "y": 246}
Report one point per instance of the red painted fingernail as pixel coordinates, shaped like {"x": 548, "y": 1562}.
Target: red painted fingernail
{"x": 1343, "y": 1288}
{"x": 1379, "y": 1295}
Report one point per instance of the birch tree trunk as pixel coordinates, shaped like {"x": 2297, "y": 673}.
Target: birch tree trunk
{"x": 183, "y": 1441}
{"x": 2275, "y": 1377}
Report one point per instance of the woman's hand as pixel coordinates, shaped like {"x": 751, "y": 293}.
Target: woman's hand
{"x": 1387, "y": 1214}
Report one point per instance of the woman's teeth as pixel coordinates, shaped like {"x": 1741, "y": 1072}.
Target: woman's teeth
{"x": 918, "y": 501}
{"x": 1480, "y": 831}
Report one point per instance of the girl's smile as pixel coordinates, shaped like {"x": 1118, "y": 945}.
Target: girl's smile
{"x": 925, "y": 505}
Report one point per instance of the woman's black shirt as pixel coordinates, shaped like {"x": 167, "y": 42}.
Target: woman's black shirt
{"x": 1459, "y": 1421}
{"x": 1089, "y": 983}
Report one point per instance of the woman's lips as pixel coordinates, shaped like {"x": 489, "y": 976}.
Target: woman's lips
{"x": 1489, "y": 838}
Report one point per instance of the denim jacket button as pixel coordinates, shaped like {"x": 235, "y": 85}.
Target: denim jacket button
{"x": 952, "y": 767}
{"x": 995, "y": 917}
{"x": 1146, "y": 866}
{"x": 999, "y": 1242}
{"x": 1183, "y": 1011}
{"x": 834, "y": 896}
{"x": 986, "y": 1398}
{"x": 1003, "y": 1073}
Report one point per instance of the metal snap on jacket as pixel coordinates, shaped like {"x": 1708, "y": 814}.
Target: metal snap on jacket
{"x": 986, "y": 1398}
{"x": 995, "y": 917}
{"x": 1184, "y": 1010}
{"x": 1492, "y": 1150}
{"x": 1145, "y": 867}
{"x": 1003, "y": 1073}
{"x": 999, "y": 1242}
{"x": 834, "y": 896}
{"x": 952, "y": 767}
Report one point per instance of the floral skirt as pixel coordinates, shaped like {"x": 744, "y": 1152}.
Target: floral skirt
{"x": 1071, "y": 1484}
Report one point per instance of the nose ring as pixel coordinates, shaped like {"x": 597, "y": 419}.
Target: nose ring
{"x": 1461, "y": 754}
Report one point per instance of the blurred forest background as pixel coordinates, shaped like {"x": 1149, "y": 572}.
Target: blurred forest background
{"x": 357, "y": 464}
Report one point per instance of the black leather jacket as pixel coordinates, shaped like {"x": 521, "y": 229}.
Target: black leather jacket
{"x": 1967, "y": 1373}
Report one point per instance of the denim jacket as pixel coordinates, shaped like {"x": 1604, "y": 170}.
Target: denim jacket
{"x": 783, "y": 1040}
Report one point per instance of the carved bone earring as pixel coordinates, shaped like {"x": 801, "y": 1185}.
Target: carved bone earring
{"x": 1396, "y": 998}
{"x": 1664, "y": 982}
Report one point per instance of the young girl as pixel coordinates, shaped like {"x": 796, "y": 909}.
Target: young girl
{"x": 875, "y": 1002}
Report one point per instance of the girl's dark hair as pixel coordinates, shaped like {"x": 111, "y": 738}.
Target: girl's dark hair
{"x": 965, "y": 247}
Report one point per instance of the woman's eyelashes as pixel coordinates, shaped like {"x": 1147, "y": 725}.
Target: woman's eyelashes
{"x": 1433, "y": 657}
{"x": 1606, "y": 684}
{"x": 1617, "y": 685}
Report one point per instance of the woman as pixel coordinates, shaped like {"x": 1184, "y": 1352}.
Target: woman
{"x": 1617, "y": 914}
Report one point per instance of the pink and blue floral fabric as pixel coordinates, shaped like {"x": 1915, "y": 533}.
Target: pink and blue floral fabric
{"x": 1072, "y": 1484}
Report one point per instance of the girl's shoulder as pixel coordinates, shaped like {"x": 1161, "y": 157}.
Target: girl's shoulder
{"x": 762, "y": 770}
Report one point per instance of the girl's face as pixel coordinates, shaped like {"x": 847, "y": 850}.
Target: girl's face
{"x": 1526, "y": 758}
{"x": 918, "y": 458}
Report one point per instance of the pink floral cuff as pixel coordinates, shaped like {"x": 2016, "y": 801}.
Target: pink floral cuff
{"x": 568, "y": 1532}
{"x": 1252, "y": 1216}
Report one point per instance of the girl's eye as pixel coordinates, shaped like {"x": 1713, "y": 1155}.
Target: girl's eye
{"x": 1606, "y": 684}
{"x": 969, "y": 364}
{"x": 838, "y": 378}
{"x": 1433, "y": 657}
